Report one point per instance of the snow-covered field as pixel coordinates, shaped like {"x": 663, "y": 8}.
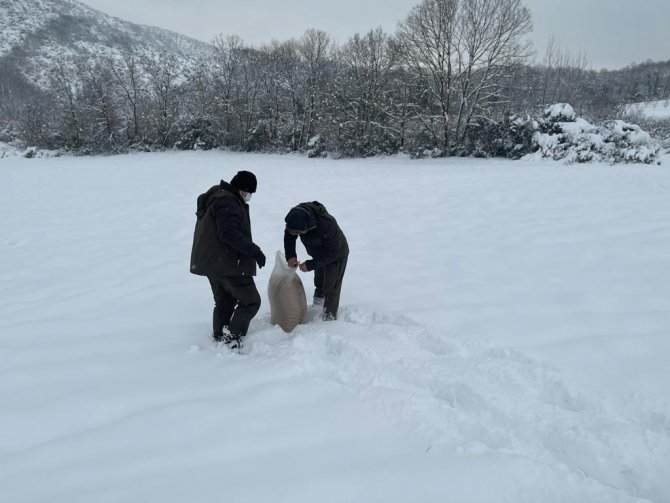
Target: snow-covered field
{"x": 504, "y": 336}
{"x": 655, "y": 109}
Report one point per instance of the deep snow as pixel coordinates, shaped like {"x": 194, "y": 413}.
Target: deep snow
{"x": 503, "y": 336}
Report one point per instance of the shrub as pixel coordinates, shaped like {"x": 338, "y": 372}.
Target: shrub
{"x": 197, "y": 134}
{"x": 561, "y": 135}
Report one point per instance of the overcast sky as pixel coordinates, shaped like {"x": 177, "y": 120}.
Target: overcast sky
{"x": 611, "y": 33}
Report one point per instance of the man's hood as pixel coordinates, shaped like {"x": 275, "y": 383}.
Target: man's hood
{"x": 206, "y": 199}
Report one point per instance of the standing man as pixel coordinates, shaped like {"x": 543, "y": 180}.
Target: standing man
{"x": 223, "y": 251}
{"x": 325, "y": 242}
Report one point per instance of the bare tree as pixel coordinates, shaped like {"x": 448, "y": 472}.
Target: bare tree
{"x": 165, "y": 81}
{"x": 288, "y": 70}
{"x": 459, "y": 53}
{"x": 66, "y": 82}
{"x": 199, "y": 86}
{"x": 33, "y": 125}
{"x": 250, "y": 76}
{"x": 366, "y": 64}
{"x": 428, "y": 37}
{"x": 564, "y": 75}
{"x": 228, "y": 53}
{"x": 99, "y": 103}
{"x": 277, "y": 101}
{"x": 128, "y": 81}
{"x": 314, "y": 48}
{"x": 489, "y": 43}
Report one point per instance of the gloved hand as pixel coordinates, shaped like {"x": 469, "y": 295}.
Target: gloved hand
{"x": 260, "y": 259}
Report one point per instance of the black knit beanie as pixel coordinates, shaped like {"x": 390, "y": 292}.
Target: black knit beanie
{"x": 299, "y": 220}
{"x": 244, "y": 180}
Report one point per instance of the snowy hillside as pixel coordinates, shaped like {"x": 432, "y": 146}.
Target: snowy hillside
{"x": 35, "y": 33}
{"x": 503, "y": 336}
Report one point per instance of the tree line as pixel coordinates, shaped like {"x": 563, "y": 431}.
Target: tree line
{"x": 446, "y": 81}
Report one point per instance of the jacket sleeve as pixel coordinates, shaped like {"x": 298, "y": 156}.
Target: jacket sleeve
{"x": 229, "y": 215}
{"x": 289, "y": 245}
{"x": 331, "y": 245}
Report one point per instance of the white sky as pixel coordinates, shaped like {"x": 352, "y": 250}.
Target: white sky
{"x": 612, "y": 33}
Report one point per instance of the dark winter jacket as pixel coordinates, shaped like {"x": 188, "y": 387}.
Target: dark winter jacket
{"x": 222, "y": 244}
{"x": 326, "y": 243}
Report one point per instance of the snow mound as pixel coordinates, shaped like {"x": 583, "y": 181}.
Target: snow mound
{"x": 560, "y": 112}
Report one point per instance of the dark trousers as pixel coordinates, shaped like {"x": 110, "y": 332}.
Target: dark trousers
{"x": 236, "y": 302}
{"x": 327, "y": 285}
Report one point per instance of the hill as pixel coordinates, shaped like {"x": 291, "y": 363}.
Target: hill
{"x": 34, "y": 34}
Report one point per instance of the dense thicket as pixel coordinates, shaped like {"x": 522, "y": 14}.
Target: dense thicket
{"x": 450, "y": 81}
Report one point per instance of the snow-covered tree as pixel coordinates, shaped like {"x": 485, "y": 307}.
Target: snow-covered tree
{"x": 458, "y": 53}
{"x": 366, "y": 65}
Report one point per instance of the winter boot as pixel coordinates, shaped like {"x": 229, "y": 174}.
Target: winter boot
{"x": 221, "y": 334}
{"x": 233, "y": 341}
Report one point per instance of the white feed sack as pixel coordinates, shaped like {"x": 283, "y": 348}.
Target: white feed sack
{"x": 286, "y": 293}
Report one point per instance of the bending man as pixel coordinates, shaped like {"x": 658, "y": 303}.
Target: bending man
{"x": 325, "y": 242}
